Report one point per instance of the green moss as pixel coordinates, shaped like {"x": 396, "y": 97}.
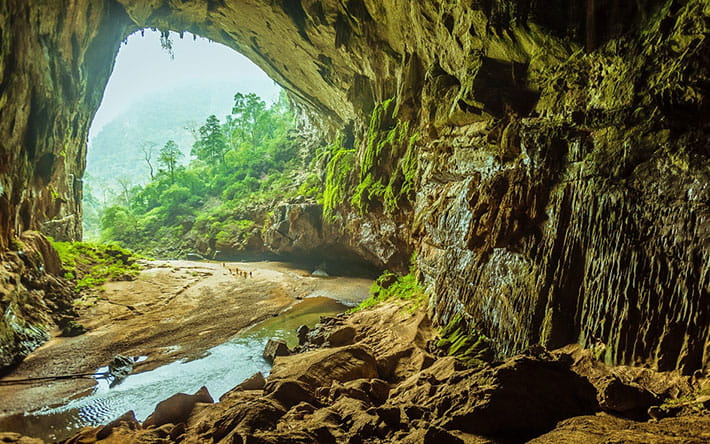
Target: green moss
{"x": 73, "y": 328}
{"x": 390, "y": 286}
{"x": 336, "y": 180}
{"x": 469, "y": 347}
{"x": 91, "y": 265}
{"x": 388, "y": 163}
{"x": 17, "y": 245}
{"x": 311, "y": 187}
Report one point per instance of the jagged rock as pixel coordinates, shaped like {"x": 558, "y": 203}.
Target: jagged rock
{"x": 247, "y": 417}
{"x": 33, "y": 297}
{"x": 624, "y": 390}
{"x": 177, "y": 408}
{"x": 519, "y": 398}
{"x": 120, "y": 367}
{"x": 316, "y": 397}
{"x": 302, "y": 333}
{"x": 604, "y": 428}
{"x": 436, "y": 435}
{"x": 626, "y": 398}
{"x": 289, "y": 392}
{"x": 16, "y": 438}
{"x": 254, "y": 382}
{"x": 274, "y": 348}
{"x": 320, "y": 368}
{"x": 127, "y": 420}
{"x": 341, "y": 336}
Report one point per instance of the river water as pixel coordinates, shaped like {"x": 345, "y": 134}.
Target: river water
{"x": 222, "y": 368}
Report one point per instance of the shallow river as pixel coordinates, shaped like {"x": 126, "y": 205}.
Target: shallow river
{"x": 222, "y": 368}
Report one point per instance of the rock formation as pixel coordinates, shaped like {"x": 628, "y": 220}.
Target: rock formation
{"x": 385, "y": 386}
{"x": 548, "y": 161}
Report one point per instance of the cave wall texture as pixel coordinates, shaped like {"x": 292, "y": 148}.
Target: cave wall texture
{"x": 550, "y": 157}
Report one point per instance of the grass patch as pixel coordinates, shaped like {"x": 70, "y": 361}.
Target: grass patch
{"x": 90, "y": 265}
{"x": 390, "y": 286}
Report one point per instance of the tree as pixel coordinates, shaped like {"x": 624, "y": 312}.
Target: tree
{"x": 211, "y": 145}
{"x": 169, "y": 156}
{"x": 126, "y": 186}
{"x": 147, "y": 148}
{"x": 249, "y": 120}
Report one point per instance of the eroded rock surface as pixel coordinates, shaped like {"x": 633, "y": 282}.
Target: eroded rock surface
{"x": 33, "y": 297}
{"x": 345, "y": 394}
{"x": 548, "y": 161}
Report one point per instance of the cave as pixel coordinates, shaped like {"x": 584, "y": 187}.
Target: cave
{"x": 558, "y": 190}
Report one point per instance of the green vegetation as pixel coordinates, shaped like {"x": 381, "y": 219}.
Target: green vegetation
{"x": 336, "y": 180}
{"x": 169, "y": 157}
{"x": 241, "y": 167}
{"x": 388, "y": 168}
{"x": 90, "y": 265}
{"x": 469, "y": 347}
{"x": 390, "y": 286}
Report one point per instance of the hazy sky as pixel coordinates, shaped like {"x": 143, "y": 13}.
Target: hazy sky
{"x": 143, "y": 66}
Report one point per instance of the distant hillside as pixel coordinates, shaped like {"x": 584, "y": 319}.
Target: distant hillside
{"x": 115, "y": 156}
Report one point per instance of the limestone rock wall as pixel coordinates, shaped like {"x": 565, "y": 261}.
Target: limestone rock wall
{"x": 554, "y": 180}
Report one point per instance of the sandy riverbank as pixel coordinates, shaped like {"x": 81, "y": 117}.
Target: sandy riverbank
{"x": 173, "y": 310}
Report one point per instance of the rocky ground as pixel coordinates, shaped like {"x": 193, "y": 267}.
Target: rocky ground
{"x": 173, "y": 310}
{"x": 375, "y": 377}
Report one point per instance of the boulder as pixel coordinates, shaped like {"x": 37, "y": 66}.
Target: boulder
{"x": 302, "y": 333}
{"x": 290, "y": 392}
{"x": 627, "y": 398}
{"x": 254, "y": 382}
{"x": 342, "y": 336}
{"x": 521, "y": 397}
{"x": 177, "y": 408}
{"x": 624, "y": 390}
{"x": 119, "y": 368}
{"x": 274, "y": 348}
{"x": 247, "y": 416}
{"x": 127, "y": 420}
{"x": 319, "y": 368}
{"x": 16, "y": 438}
{"x": 605, "y": 428}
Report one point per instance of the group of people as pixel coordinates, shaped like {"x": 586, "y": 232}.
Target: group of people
{"x": 235, "y": 271}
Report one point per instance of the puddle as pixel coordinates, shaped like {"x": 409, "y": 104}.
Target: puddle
{"x": 222, "y": 368}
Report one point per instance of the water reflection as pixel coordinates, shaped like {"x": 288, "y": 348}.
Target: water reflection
{"x": 223, "y": 367}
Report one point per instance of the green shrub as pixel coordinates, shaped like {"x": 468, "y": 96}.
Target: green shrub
{"x": 390, "y": 286}
{"x": 90, "y": 265}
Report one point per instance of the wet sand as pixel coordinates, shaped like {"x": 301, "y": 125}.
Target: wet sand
{"x": 173, "y": 310}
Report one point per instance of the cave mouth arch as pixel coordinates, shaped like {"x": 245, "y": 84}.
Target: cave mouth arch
{"x": 163, "y": 86}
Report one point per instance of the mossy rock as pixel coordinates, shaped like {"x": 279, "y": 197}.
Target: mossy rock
{"x": 73, "y": 328}
{"x": 466, "y": 344}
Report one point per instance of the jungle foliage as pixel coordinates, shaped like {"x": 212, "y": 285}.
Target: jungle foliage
{"x": 246, "y": 159}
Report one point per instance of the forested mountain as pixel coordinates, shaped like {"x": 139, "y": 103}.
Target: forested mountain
{"x": 239, "y": 166}
{"x": 116, "y": 158}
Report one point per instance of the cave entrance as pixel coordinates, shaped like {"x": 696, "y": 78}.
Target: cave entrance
{"x": 189, "y": 153}
{"x": 163, "y": 89}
